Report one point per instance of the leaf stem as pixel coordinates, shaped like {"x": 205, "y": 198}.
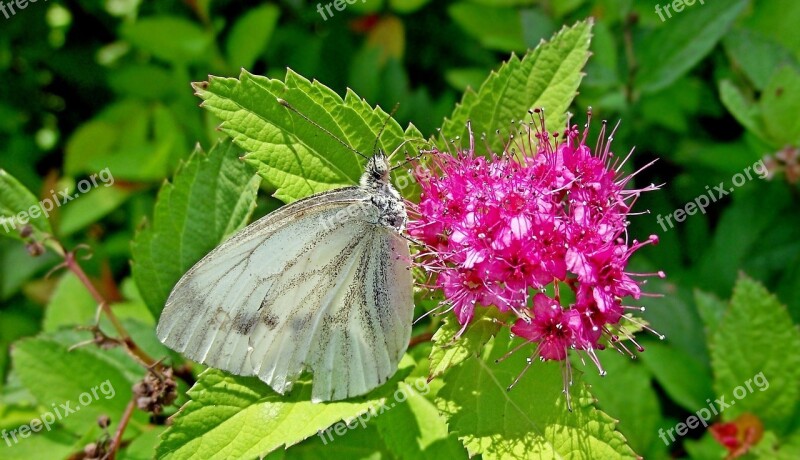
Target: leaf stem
{"x": 71, "y": 262}
{"x": 123, "y": 423}
{"x": 418, "y": 339}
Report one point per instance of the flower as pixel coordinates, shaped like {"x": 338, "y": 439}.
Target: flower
{"x": 544, "y": 215}
{"x": 739, "y": 435}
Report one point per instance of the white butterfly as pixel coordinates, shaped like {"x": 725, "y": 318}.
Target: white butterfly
{"x": 320, "y": 285}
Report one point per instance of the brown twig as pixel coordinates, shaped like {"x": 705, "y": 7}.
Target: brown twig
{"x": 71, "y": 263}
{"x": 422, "y": 338}
{"x": 123, "y": 423}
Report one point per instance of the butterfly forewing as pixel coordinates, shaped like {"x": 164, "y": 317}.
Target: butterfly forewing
{"x": 318, "y": 285}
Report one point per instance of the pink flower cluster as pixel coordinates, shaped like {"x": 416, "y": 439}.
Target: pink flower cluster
{"x": 516, "y": 231}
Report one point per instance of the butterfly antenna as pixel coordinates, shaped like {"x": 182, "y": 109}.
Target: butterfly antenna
{"x": 286, "y": 104}
{"x": 380, "y": 133}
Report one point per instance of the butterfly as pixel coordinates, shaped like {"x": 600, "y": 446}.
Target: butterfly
{"x": 322, "y": 285}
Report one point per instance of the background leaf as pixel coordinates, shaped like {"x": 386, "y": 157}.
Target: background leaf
{"x": 15, "y": 199}
{"x": 211, "y": 197}
{"x": 547, "y": 77}
{"x": 250, "y": 35}
{"x": 739, "y": 352}
{"x": 683, "y": 41}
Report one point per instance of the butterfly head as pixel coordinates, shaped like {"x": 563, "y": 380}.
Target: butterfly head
{"x": 377, "y": 171}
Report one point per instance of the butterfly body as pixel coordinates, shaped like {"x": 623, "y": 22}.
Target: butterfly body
{"x": 321, "y": 285}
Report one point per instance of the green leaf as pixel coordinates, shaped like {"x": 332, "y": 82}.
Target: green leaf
{"x": 17, "y": 267}
{"x": 240, "y": 417}
{"x": 682, "y": 42}
{"x": 780, "y": 104}
{"x": 118, "y": 126}
{"x": 360, "y": 443}
{"x": 449, "y": 351}
{"x": 688, "y": 384}
{"x": 137, "y": 141}
{"x": 529, "y": 421}
{"x": 495, "y": 27}
{"x": 127, "y": 80}
{"x": 56, "y": 443}
{"x": 414, "y": 429}
{"x": 461, "y": 79}
{"x": 102, "y": 386}
{"x": 639, "y": 421}
{"x": 172, "y": 39}
{"x": 407, "y": 6}
{"x": 292, "y": 155}
{"x": 771, "y": 448}
{"x": 711, "y": 310}
{"x": 70, "y": 304}
{"x": 740, "y": 232}
{"x": 143, "y": 446}
{"x": 547, "y": 77}
{"x": 752, "y": 348}
{"x": 250, "y": 35}
{"x": 778, "y": 21}
{"x": 19, "y": 207}
{"x": 90, "y": 207}
{"x": 756, "y": 55}
{"x": 211, "y": 197}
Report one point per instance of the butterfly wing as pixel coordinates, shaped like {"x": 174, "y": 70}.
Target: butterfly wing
{"x": 316, "y": 286}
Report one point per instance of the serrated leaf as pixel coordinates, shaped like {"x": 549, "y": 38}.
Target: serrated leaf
{"x": 678, "y": 45}
{"x": 19, "y": 207}
{"x": 291, "y": 154}
{"x": 240, "y": 417}
{"x": 754, "y": 338}
{"x": 211, "y": 197}
{"x": 529, "y": 421}
{"x": 547, "y": 77}
{"x": 448, "y": 351}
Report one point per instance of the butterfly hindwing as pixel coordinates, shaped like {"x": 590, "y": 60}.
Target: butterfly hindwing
{"x": 315, "y": 286}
